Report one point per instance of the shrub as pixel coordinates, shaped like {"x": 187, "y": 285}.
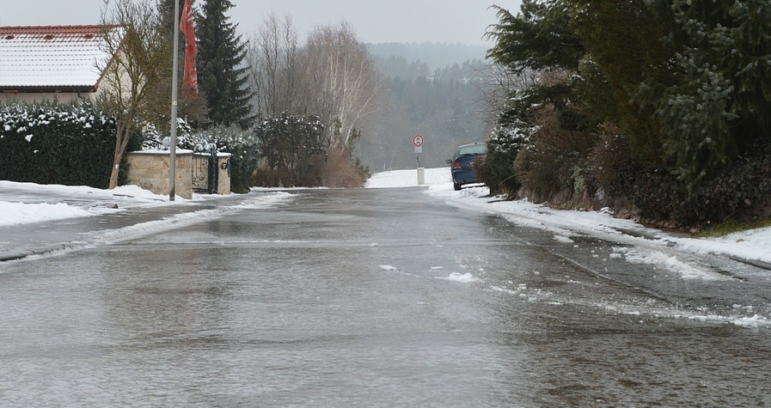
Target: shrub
{"x": 740, "y": 192}
{"x": 50, "y": 143}
{"x": 291, "y": 143}
{"x": 555, "y": 161}
{"x": 338, "y": 169}
{"x": 612, "y": 168}
{"x": 265, "y": 176}
{"x": 496, "y": 169}
{"x": 483, "y": 174}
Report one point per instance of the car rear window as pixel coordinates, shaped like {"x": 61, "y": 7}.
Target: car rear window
{"x": 474, "y": 149}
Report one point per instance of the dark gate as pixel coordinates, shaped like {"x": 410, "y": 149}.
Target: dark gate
{"x": 205, "y": 172}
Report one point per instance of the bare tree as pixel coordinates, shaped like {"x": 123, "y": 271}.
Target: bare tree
{"x": 134, "y": 48}
{"x": 275, "y": 67}
{"x": 499, "y": 83}
{"x": 341, "y": 79}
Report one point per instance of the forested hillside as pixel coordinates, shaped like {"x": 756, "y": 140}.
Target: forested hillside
{"x": 434, "y": 55}
{"x": 444, "y": 104}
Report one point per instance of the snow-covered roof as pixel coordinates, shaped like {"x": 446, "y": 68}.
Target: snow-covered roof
{"x": 45, "y": 58}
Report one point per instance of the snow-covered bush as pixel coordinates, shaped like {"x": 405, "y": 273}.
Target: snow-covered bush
{"x": 153, "y": 140}
{"x": 289, "y": 144}
{"x": 49, "y": 143}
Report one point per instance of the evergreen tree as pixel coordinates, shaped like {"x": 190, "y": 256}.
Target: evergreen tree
{"x": 686, "y": 80}
{"x": 166, "y": 13}
{"x": 541, "y": 38}
{"x": 222, "y": 73}
{"x": 720, "y": 104}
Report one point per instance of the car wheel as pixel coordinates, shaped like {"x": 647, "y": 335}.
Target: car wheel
{"x": 456, "y": 186}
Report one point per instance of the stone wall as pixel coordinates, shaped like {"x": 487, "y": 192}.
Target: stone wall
{"x": 150, "y": 170}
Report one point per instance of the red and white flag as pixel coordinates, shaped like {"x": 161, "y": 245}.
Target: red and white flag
{"x": 187, "y": 26}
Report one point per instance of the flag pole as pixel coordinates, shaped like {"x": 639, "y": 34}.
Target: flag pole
{"x": 174, "y": 76}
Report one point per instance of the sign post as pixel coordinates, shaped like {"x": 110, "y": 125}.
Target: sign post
{"x": 418, "y": 141}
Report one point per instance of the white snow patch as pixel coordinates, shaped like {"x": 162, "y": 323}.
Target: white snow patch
{"x": 462, "y": 277}
{"x": 751, "y": 322}
{"x": 20, "y": 213}
{"x": 563, "y": 239}
{"x": 409, "y": 178}
{"x": 670, "y": 263}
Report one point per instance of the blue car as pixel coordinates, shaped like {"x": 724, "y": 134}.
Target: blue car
{"x": 462, "y": 172}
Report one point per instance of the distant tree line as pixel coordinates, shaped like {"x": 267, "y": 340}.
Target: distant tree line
{"x": 433, "y": 55}
{"x": 662, "y": 104}
{"x": 444, "y": 105}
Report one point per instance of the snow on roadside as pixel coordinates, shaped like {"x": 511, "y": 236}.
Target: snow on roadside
{"x": 23, "y": 203}
{"x": 748, "y": 245}
{"x": 409, "y": 178}
{"x": 21, "y": 213}
{"x": 670, "y": 263}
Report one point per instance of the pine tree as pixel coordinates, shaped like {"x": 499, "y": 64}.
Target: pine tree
{"x": 720, "y": 104}
{"x": 222, "y": 73}
{"x": 166, "y": 12}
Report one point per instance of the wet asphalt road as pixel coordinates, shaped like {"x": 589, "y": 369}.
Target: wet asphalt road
{"x": 369, "y": 298}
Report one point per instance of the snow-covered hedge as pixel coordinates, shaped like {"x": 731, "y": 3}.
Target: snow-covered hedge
{"x": 56, "y": 144}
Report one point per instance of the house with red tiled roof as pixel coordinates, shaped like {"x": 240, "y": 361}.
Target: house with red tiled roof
{"x": 58, "y": 63}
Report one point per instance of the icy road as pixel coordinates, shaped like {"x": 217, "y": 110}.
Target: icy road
{"x": 377, "y": 298}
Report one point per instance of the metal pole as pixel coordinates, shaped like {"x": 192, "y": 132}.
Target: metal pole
{"x": 174, "y": 77}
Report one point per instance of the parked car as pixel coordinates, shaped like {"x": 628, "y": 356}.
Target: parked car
{"x": 462, "y": 172}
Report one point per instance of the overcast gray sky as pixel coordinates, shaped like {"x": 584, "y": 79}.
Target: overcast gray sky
{"x": 375, "y": 21}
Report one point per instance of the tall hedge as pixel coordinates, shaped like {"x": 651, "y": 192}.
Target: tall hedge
{"x": 68, "y": 144}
